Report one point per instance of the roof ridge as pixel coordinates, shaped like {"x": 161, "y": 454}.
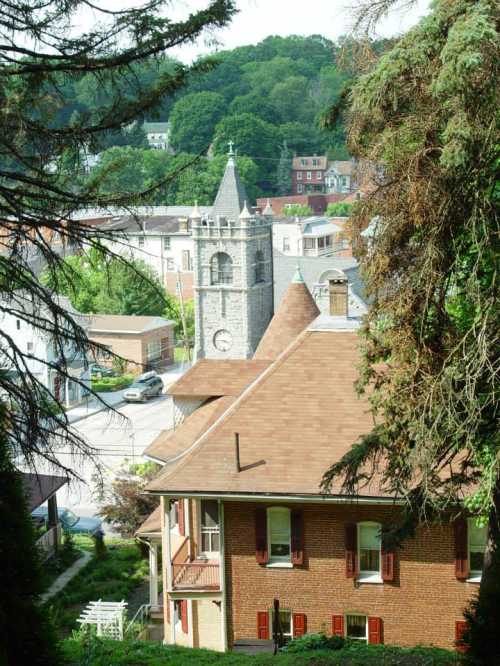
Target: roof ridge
{"x": 267, "y": 372}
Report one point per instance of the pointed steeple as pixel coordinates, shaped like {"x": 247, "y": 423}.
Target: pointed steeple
{"x": 245, "y": 213}
{"x": 295, "y": 312}
{"x": 195, "y": 213}
{"x": 268, "y": 210}
{"x": 231, "y": 196}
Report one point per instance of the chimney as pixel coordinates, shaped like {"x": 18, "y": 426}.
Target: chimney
{"x": 183, "y": 224}
{"x": 338, "y": 297}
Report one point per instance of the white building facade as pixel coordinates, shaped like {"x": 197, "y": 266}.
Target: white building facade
{"x": 309, "y": 237}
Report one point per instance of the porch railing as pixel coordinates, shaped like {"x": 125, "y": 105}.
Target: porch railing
{"x": 195, "y": 576}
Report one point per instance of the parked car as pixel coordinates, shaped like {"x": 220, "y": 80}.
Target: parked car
{"x": 145, "y": 386}
{"x": 101, "y": 371}
{"x": 70, "y": 521}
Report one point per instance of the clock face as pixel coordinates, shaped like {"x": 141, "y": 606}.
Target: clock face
{"x": 223, "y": 340}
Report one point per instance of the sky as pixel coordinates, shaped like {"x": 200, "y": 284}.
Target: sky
{"x": 258, "y": 19}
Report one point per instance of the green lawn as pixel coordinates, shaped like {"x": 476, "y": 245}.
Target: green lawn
{"x": 141, "y": 653}
{"x": 112, "y": 578}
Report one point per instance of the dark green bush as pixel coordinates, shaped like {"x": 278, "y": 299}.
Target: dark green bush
{"x": 314, "y": 642}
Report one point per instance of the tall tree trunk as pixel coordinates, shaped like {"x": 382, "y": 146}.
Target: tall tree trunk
{"x": 484, "y": 614}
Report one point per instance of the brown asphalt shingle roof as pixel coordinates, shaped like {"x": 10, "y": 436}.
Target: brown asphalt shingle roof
{"x": 152, "y": 524}
{"x": 296, "y": 311}
{"x": 171, "y": 443}
{"x": 211, "y": 377}
{"x": 301, "y": 415}
{"x": 39, "y": 487}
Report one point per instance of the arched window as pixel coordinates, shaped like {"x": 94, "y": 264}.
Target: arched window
{"x": 260, "y": 269}
{"x": 221, "y": 269}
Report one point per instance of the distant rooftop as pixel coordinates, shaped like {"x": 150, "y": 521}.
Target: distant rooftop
{"x": 126, "y": 324}
{"x": 159, "y": 128}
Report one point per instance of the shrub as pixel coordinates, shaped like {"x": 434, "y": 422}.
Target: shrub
{"x": 314, "y": 642}
{"x": 100, "y": 549}
{"x": 106, "y": 384}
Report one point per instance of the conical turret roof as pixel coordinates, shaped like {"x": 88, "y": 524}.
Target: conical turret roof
{"x": 231, "y": 196}
{"x": 295, "y": 312}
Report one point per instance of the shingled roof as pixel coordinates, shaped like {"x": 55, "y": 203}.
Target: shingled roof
{"x": 170, "y": 443}
{"x": 232, "y": 195}
{"x": 296, "y": 311}
{"x": 298, "y": 417}
{"x": 213, "y": 377}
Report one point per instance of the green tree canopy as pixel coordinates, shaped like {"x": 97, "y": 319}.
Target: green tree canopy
{"x": 339, "y": 209}
{"x": 299, "y": 210}
{"x": 193, "y": 120}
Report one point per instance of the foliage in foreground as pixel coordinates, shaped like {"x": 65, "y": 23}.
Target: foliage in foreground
{"x": 111, "y": 577}
{"x": 79, "y": 651}
{"x": 26, "y": 634}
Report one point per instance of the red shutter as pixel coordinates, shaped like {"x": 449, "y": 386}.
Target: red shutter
{"x": 351, "y": 547}
{"x": 460, "y": 629}
{"x": 338, "y": 625}
{"x": 374, "y": 630}
{"x": 184, "y": 615}
{"x": 261, "y": 553}
{"x": 297, "y": 529}
{"x": 182, "y": 523}
{"x": 299, "y": 624}
{"x": 387, "y": 565}
{"x": 461, "y": 563}
{"x": 263, "y": 625}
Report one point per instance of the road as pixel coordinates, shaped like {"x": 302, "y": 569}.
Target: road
{"x": 117, "y": 439}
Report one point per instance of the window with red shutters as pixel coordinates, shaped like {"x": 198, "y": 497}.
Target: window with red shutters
{"x": 461, "y": 560}
{"x": 184, "y": 615}
{"x": 263, "y": 625}
{"x": 261, "y": 550}
{"x": 297, "y": 534}
{"x": 299, "y": 624}
{"x": 374, "y": 630}
{"x": 460, "y": 629}
{"x": 338, "y": 625}
{"x": 351, "y": 547}
{"x": 182, "y": 523}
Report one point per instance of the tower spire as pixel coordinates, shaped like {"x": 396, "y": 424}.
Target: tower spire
{"x": 231, "y": 196}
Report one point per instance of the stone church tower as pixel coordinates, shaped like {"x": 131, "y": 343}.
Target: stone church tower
{"x": 233, "y": 273}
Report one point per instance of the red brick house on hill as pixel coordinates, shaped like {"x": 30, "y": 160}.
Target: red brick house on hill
{"x": 243, "y": 521}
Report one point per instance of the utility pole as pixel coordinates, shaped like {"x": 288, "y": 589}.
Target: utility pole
{"x": 183, "y": 315}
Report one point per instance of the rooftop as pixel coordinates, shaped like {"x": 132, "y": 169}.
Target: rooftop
{"x": 297, "y": 162}
{"x": 301, "y": 414}
{"x": 212, "y": 377}
{"x": 39, "y": 487}
{"x": 231, "y": 196}
{"x": 126, "y": 324}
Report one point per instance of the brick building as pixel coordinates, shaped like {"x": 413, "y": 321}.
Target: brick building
{"x": 244, "y": 522}
{"x": 147, "y": 343}
{"x": 308, "y": 174}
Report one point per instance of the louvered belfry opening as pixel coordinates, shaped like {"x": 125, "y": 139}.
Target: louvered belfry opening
{"x": 338, "y": 297}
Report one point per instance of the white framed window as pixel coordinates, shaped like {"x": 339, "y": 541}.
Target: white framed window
{"x": 140, "y": 241}
{"x": 309, "y": 243}
{"x": 369, "y": 552}
{"x": 209, "y": 527}
{"x": 153, "y": 350}
{"x": 166, "y": 242}
{"x": 303, "y": 162}
{"x": 321, "y": 242}
{"x": 286, "y": 621}
{"x": 299, "y": 175}
{"x": 318, "y": 175}
{"x": 476, "y": 537}
{"x": 356, "y": 627}
{"x": 286, "y": 244}
{"x": 300, "y": 188}
{"x": 170, "y": 264}
{"x": 29, "y": 346}
{"x": 309, "y": 175}
{"x": 279, "y": 535}
{"x": 18, "y": 324}
{"x": 315, "y": 162}
{"x": 174, "y": 516}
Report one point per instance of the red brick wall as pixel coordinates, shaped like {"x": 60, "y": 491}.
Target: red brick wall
{"x": 318, "y": 202}
{"x": 420, "y": 606}
{"x": 187, "y": 278}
